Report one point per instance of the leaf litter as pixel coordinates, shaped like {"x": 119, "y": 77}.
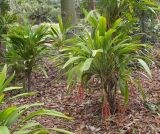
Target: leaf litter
{"x": 135, "y": 118}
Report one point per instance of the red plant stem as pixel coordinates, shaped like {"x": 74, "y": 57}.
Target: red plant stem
{"x": 105, "y": 109}
{"x": 80, "y": 92}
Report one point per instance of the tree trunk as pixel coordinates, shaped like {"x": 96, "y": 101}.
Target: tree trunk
{"x": 92, "y": 4}
{"x": 68, "y": 12}
{"x": 110, "y": 90}
{"x": 28, "y": 79}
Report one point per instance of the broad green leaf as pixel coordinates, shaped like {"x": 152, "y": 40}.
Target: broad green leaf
{"x": 3, "y": 75}
{"x": 102, "y": 25}
{"x": 149, "y": 3}
{"x": 131, "y": 8}
{"x": 28, "y": 128}
{"x": 5, "y": 113}
{"x": 13, "y": 117}
{"x": 67, "y": 41}
{"x": 45, "y": 112}
{"x": 40, "y": 131}
{"x": 7, "y": 82}
{"x": 23, "y": 95}
{"x": 30, "y": 125}
{"x": 60, "y": 24}
{"x": 91, "y": 18}
{"x": 44, "y": 72}
{"x": 108, "y": 35}
{"x": 63, "y": 131}
{"x": 23, "y": 132}
{"x": 11, "y": 88}
{"x": 4, "y": 130}
{"x": 1, "y": 97}
{"x": 74, "y": 75}
{"x": 84, "y": 47}
{"x": 70, "y": 61}
{"x": 87, "y": 64}
{"x": 55, "y": 31}
{"x": 90, "y": 41}
{"x": 127, "y": 48}
{"x": 27, "y": 106}
{"x": 117, "y": 23}
{"x": 124, "y": 90}
{"x": 152, "y": 10}
{"x": 95, "y": 52}
{"x": 141, "y": 90}
{"x": 145, "y": 66}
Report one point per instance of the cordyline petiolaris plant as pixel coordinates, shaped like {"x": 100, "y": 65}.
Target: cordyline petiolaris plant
{"x": 25, "y": 47}
{"x": 109, "y": 55}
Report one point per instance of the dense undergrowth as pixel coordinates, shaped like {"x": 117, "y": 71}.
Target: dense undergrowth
{"x": 103, "y": 52}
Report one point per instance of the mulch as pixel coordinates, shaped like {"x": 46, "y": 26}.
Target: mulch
{"x": 135, "y": 118}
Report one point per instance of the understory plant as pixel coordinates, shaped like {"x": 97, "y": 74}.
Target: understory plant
{"x": 6, "y": 19}
{"x": 61, "y": 34}
{"x": 4, "y": 7}
{"x": 140, "y": 12}
{"x": 39, "y": 10}
{"x": 18, "y": 120}
{"x": 109, "y": 55}
{"x": 25, "y": 46}
{"x": 115, "y": 9}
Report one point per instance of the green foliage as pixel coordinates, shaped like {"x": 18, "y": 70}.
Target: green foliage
{"x": 38, "y": 10}
{"x": 5, "y": 21}
{"x": 152, "y": 29}
{"x": 110, "y": 55}
{"x": 139, "y": 11}
{"x": 112, "y": 10}
{"x": 60, "y": 33}
{"x": 5, "y": 83}
{"x": 4, "y": 7}
{"x": 12, "y": 119}
{"x": 24, "y": 47}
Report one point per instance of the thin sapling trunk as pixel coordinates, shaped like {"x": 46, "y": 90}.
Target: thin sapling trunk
{"x": 110, "y": 91}
{"x": 28, "y": 77}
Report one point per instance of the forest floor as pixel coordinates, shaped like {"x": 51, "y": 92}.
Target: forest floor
{"x": 135, "y": 118}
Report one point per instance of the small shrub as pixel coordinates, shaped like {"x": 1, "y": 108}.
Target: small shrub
{"x": 109, "y": 55}
{"x": 24, "y": 48}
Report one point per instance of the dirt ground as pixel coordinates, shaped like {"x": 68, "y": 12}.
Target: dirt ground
{"x": 135, "y": 118}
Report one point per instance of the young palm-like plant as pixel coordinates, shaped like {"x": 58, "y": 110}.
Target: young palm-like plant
{"x": 12, "y": 119}
{"x": 61, "y": 34}
{"x": 109, "y": 55}
{"x": 115, "y": 9}
{"x": 24, "y": 47}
